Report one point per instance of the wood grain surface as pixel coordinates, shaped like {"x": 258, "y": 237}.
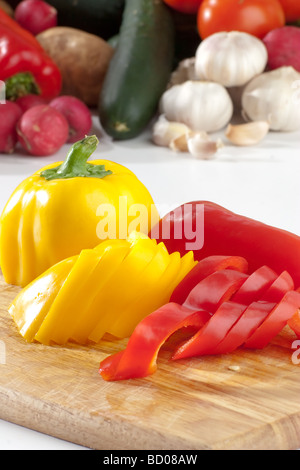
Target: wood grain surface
{"x": 245, "y": 400}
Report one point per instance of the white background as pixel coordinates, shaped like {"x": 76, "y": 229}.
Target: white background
{"x": 262, "y": 182}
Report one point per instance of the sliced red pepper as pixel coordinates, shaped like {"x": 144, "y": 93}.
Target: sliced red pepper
{"x": 139, "y": 359}
{"x": 215, "y": 289}
{"x": 251, "y": 319}
{"x": 212, "y": 333}
{"x": 294, "y": 322}
{"x": 283, "y": 284}
{"x": 204, "y": 268}
{"x": 255, "y": 286}
{"x": 275, "y": 321}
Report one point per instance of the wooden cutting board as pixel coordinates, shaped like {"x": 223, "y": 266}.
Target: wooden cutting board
{"x": 245, "y": 400}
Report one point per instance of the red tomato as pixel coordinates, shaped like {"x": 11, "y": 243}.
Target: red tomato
{"x": 291, "y": 9}
{"x": 184, "y": 6}
{"x": 255, "y": 17}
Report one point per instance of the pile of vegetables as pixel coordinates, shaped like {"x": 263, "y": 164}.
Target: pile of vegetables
{"x": 70, "y": 236}
{"x": 134, "y": 59}
{"x": 241, "y": 68}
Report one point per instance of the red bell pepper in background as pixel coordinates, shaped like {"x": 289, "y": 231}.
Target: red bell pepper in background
{"x": 14, "y": 26}
{"x": 227, "y": 233}
{"x": 26, "y": 68}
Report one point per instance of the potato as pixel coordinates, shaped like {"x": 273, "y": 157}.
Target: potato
{"x": 82, "y": 58}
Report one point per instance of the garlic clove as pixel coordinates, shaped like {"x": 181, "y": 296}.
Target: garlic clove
{"x": 247, "y": 134}
{"x": 180, "y": 144}
{"x": 202, "y": 147}
{"x": 164, "y": 131}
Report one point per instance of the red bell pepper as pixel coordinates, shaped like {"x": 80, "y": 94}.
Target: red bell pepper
{"x": 26, "y": 68}
{"x": 5, "y": 19}
{"x": 228, "y": 233}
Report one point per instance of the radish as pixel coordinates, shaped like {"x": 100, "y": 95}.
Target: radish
{"x": 36, "y": 15}
{"x": 42, "y": 130}
{"x": 28, "y": 101}
{"x": 10, "y": 113}
{"x": 77, "y": 114}
{"x": 283, "y": 46}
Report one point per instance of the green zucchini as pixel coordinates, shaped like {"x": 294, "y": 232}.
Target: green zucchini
{"x": 100, "y": 17}
{"x": 139, "y": 70}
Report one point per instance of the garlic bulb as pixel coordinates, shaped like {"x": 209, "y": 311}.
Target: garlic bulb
{"x": 230, "y": 58}
{"x": 202, "y": 106}
{"x": 271, "y": 97}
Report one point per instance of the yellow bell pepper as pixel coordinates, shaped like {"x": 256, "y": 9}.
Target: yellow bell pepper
{"x": 108, "y": 289}
{"x": 67, "y": 207}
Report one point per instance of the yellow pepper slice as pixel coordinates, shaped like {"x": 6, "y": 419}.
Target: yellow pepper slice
{"x": 146, "y": 278}
{"x": 147, "y": 303}
{"x": 31, "y": 305}
{"x": 109, "y": 264}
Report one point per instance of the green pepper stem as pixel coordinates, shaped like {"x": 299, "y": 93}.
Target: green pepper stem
{"x": 21, "y": 84}
{"x": 75, "y": 165}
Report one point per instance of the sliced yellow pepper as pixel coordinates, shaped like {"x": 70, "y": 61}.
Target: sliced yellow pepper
{"x": 108, "y": 289}
{"x": 32, "y": 304}
{"x": 67, "y": 207}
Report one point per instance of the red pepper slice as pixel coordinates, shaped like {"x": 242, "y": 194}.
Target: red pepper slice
{"x": 275, "y": 321}
{"x": 251, "y": 319}
{"x": 139, "y": 359}
{"x": 294, "y": 322}
{"x": 212, "y": 333}
{"x": 204, "y": 268}
{"x": 255, "y": 286}
{"x": 283, "y": 284}
{"x": 215, "y": 289}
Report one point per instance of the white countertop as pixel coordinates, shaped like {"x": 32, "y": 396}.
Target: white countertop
{"x": 262, "y": 182}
